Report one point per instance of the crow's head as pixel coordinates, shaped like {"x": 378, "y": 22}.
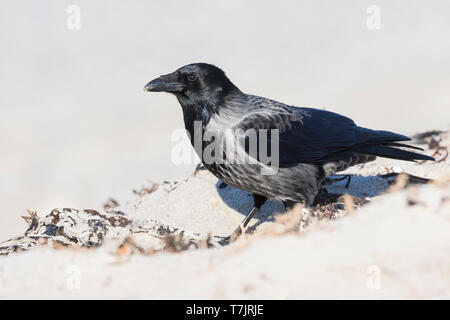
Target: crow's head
{"x": 194, "y": 83}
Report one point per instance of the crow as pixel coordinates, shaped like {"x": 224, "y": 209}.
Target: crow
{"x": 311, "y": 144}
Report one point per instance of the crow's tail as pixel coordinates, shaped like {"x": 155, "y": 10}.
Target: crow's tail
{"x": 389, "y": 151}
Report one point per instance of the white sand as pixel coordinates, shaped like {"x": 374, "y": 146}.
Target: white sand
{"x": 387, "y": 250}
{"x": 397, "y": 246}
{"x": 76, "y": 127}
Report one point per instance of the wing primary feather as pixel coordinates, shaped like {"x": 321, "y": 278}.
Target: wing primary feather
{"x": 395, "y": 144}
{"x": 393, "y": 153}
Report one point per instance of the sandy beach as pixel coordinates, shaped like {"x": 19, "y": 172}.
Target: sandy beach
{"x": 76, "y": 127}
{"x": 387, "y": 239}
{"x": 87, "y": 156}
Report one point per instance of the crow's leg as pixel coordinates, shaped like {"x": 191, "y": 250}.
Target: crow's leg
{"x": 223, "y": 185}
{"x": 348, "y": 181}
{"x": 288, "y": 205}
{"x": 324, "y": 198}
{"x": 347, "y": 176}
{"x": 258, "y": 201}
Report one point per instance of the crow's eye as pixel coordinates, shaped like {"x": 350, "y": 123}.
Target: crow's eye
{"x": 191, "y": 77}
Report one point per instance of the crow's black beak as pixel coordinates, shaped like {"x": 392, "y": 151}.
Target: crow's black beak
{"x": 166, "y": 83}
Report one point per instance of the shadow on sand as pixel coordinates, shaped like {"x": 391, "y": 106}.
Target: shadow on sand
{"x": 360, "y": 186}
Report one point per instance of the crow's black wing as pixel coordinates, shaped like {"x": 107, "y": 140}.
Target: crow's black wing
{"x": 308, "y": 135}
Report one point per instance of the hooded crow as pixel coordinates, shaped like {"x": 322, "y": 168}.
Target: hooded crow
{"x": 303, "y": 146}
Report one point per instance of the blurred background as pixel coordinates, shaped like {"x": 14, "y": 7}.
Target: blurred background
{"x": 76, "y": 127}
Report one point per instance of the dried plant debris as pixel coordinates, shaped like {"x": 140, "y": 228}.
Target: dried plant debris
{"x": 170, "y": 243}
{"x": 155, "y": 228}
{"x": 437, "y": 144}
{"x": 31, "y": 220}
{"x": 409, "y": 178}
{"x": 146, "y": 189}
{"x": 344, "y": 204}
{"x": 178, "y": 243}
{"x": 170, "y": 234}
{"x": 167, "y": 186}
{"x": 441, "y": 154}
{"x": 68, "y": 227}
{"x": 110, "y": 204}
{"x": 89, "y": 228}
{"x": 129, "y": 247}
{"x": 436, "y": 141}
{"x": 299, "y": 219}
{"x": 425, "y": 137}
